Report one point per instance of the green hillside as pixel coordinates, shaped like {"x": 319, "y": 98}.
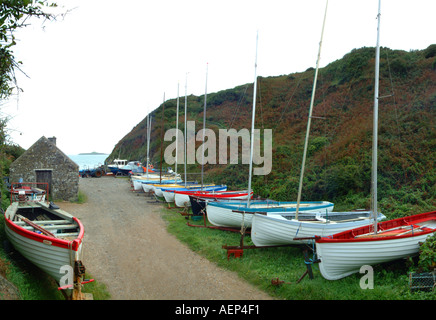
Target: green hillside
{"x": 339, "y": 159}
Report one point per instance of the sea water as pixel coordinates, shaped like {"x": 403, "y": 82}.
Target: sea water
{"x": 88, "y": 161}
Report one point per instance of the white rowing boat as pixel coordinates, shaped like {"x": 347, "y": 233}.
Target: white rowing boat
{"x": 345, "y": 253}
{"x": 50, "y": 238}
{"x": 236, "y": 214}
{"x": 283, "y": 229}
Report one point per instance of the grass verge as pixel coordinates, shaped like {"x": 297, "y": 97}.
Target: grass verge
{"x": 257, "y": 266}
{"x": 260, "y": 266}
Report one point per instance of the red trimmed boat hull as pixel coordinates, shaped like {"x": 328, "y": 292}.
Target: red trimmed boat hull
{"x": 345, "y": 253}
{"x": 51, "y": 254}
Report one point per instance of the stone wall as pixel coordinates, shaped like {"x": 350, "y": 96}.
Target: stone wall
{"x": 44, "y": 155}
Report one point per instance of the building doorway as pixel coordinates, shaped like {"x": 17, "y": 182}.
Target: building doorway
{"x": 44, "y": 176}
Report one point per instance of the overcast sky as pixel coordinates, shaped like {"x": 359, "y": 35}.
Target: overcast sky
{"x": 95, "y": 73}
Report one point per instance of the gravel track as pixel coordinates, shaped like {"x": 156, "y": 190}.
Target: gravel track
{"x": 128, "y": 248}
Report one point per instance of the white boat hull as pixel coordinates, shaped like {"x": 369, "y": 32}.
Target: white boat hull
{"x": 345, "y": 253}
{"x": 137, "y": 185}
{"x": 45, "y": 256}
{"x": 169, "y": 196}
{"x": 139, "y": 182}
{"x": 156, "y": 188}
{"x": 147, "y": 187}
{"x": 273, "y": 230}
{"x": 184, "y": 200}
{"x": 157, "y": 191}
{"x": 181, "y": 200}
{"x": 341, "y": 260}
{"x": 224, "y": 217}
{"x": 51, "y": 253}
{"x": 234, "y": 216}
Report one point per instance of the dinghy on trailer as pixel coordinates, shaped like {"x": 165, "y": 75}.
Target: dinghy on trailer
{"x": 29, "y": 191}
{"x": 284, "y": 228}
{"x": 199, "y": 199}
{"x": 236, "y": 214}
{"x": 181, "y": 196}
{"x": 344, "y": 253}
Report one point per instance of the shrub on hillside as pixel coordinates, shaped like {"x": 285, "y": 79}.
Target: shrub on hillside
{"x": 430, "y": 51}
{"x": 427, "y": 254}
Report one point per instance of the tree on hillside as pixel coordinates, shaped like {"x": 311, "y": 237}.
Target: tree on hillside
{"x": 14, "y": 14}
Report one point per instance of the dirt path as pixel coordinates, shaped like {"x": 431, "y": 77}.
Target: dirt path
{"x": 128, "y": 248}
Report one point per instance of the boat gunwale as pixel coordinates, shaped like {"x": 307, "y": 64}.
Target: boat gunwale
{"x": 57, "y": 242}
{"x": 350, "y": 236}
{"x": 272, "y": 205}
{"x": 213, "y": 196}
{"x": 189, "y": 192}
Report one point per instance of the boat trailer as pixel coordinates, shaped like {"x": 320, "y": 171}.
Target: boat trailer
{"x": 238, "y": 251}
{"x": 77, "y": 294}
{"x": 205, "y": 225}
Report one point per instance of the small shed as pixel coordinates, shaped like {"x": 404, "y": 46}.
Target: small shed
{"x": 45, "y": 162}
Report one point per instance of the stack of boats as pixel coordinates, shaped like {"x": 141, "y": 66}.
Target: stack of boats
{"x": 146, "y": 181}
{"x": 344, "y": 240}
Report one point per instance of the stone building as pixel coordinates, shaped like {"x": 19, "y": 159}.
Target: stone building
{"x": 45, "y": 162}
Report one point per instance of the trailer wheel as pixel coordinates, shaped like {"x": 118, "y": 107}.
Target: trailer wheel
{"x": 98, "y": 173}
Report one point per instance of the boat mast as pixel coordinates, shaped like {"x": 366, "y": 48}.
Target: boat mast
{"x": 148, "y": 140}
{"x": 204, "y": 126}
{"x": 177, "y": 128}
{"x": 162, "y": 139}
{"x": 375, "y": 124}
{"x": 186, "y": 102}
{"x": 300, "y": 187}
{"x": 252, "y": 123}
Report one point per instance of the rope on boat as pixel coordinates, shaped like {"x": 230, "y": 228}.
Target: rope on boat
{"x": 298, "y": 230}
{"x": 311, "y": 261}
{"x": 243, "y": 222}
